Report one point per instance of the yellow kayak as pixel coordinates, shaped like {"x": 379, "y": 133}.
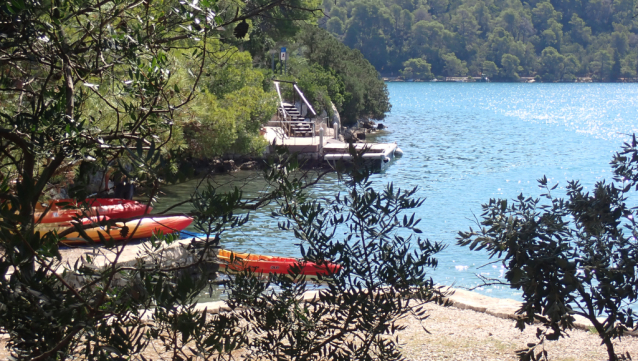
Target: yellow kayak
{"x": 144, "y": 228}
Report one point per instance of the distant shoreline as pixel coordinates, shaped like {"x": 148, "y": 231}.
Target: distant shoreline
{"x": 585, "y": 80}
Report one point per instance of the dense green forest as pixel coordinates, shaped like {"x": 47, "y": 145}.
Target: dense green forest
{"x": 236, "y": 95}
{"x": 556, "y": 40}
{"x": 327, "y": 71}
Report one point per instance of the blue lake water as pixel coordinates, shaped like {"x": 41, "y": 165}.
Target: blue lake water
{"x": 466, "y": 143}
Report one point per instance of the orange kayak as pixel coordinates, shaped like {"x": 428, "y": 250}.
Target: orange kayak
{"x": 111, "y": 207}
{"x": 147, "y": 227}
{"x": 272, "y": 264}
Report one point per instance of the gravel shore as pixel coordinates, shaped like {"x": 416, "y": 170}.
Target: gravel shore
{"x": 463, "y": 334}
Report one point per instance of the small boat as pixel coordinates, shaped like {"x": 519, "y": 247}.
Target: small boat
{"x": 271, "y": 264}
{"x": 64, "y": 210}
{"x": 143, "y": 228}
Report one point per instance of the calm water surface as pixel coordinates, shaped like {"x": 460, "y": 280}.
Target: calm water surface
{"x": 466, "y": 143}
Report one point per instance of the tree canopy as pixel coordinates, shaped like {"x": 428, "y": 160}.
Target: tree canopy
{"x": 585, "y": 34}
{"x": 135, "y": 86}
{"x": 364, "y": 94}
{"x": 573, "y": 255}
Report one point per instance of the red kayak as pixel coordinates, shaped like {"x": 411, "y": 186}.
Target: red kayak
{"x": 271, "y": 264}
{"x": 64, "y": 210}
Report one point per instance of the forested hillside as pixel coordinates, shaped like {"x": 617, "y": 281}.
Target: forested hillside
{"x": 329, "y": 72}
{"x": 556, "y": 40}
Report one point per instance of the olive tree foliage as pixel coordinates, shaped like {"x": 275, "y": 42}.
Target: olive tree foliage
{"x": 571, "y": 256}
{"x": 87, "y": 84}
{"x": 82, "y": 83}
{"x": 382, "y": 280}
{"x": 99, "y": 313}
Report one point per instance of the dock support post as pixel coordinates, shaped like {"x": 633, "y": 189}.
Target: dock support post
{"x": 320, "y": 141}
{"x": 335, "y": 126}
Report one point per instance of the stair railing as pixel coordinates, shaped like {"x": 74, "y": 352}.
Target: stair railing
{"x": 284, "y": 115}
{"x": 287, "y": 122}
{"x": 304, "y": 99}
{"x": 281, "y": 101}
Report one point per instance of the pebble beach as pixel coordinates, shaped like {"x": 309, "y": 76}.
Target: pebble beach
{"x": 474, "y": 327}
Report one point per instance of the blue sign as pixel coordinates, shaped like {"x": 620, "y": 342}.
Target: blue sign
{"x": 283, "y": 50}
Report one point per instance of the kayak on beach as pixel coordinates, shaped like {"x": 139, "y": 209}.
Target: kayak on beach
{"x": 143, "y": 228}
{"x": 63, "y": 210}
{"x": 271, "y": 264}
{"x": 60, "y": 226}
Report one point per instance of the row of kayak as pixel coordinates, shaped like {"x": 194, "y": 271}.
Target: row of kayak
{"x": 64, "y": 210}
{"x": 59, "y": 215}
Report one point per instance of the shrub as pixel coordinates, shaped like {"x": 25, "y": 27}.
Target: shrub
{"x": 569, "y": 256}
{"x": 86, "y": 85}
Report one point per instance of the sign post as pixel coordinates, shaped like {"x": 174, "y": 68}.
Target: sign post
{"x": 272, "y": 53}
{"x": 282, "y": 57}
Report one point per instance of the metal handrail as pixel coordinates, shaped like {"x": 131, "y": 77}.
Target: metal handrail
{"x": 296, "y": 88}
{"x": 281, "y": 101}
{"x": 287, "y": 131}
{"x": 304, "y": 98}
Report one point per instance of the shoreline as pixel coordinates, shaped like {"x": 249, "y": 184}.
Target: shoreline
{"x": 473, "y": 327}
{"x": 504, "y": 308}
{"x": 479, "y": 327}
{"x": 522, "y": 80}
